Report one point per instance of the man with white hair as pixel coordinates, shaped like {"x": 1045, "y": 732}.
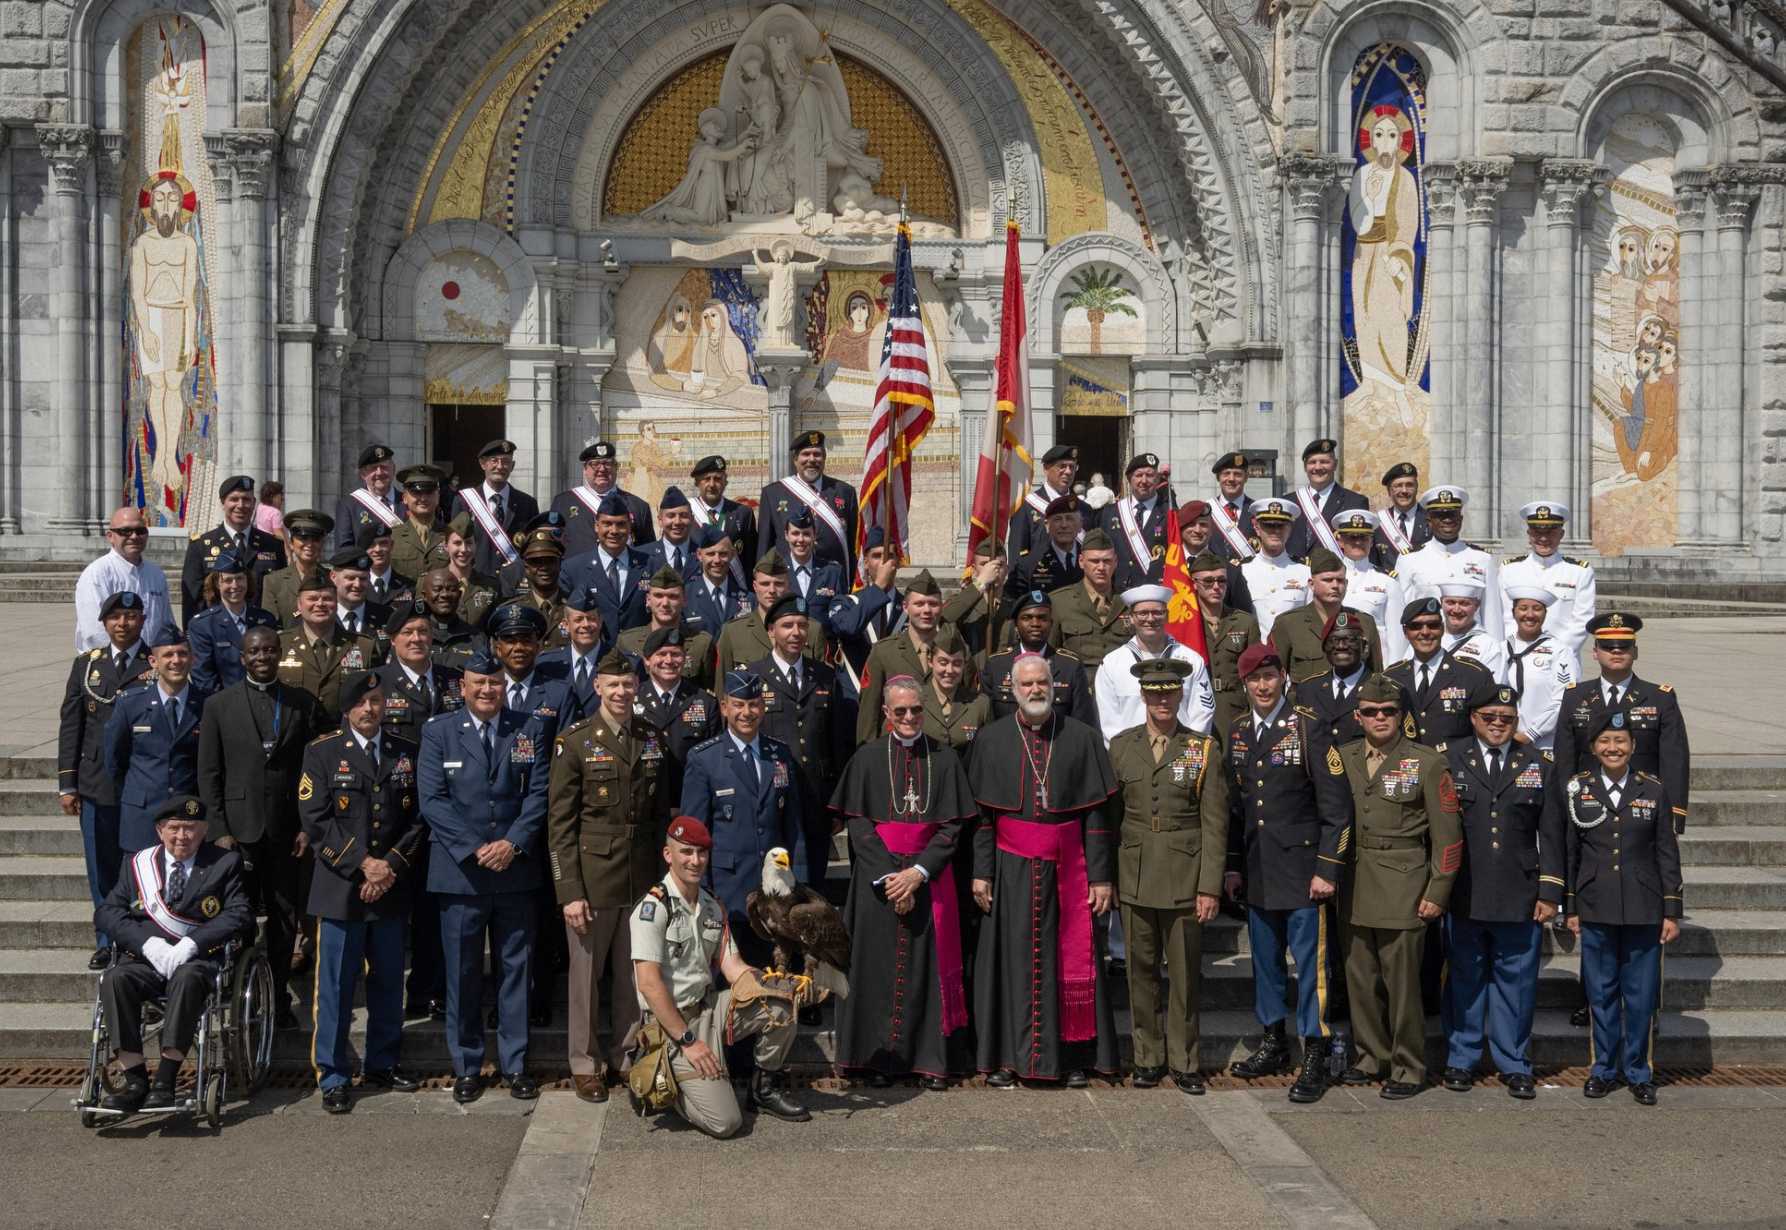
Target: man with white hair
{"x": 1446, "y": 556}
{"x": 1277, "y": 582}
{"x": 1569, "y": 580}
{"x": 1460, "y": 598}
{"x": 1539, "y": 666}
{"x": 1120, "y": 706}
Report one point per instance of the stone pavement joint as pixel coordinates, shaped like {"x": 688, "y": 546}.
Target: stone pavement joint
{"x": 549, "y": 1180}
{"x": 1291, "y": 1179}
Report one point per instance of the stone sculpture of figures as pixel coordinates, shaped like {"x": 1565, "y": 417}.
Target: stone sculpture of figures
{"x": 761, "y": 183}
{"x": 164, "y": 309}
{"x": 781, "y": 268}
{"x": 701, "y": 196}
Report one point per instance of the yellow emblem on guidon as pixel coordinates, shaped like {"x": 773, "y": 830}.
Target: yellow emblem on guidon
{"x": 1334, "y": 766}
{"x": 210, "y": 907}
{"x": 306, "y": 789}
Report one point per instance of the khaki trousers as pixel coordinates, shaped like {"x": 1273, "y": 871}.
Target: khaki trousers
{"x": 607, "y": 942}
{"x": 1383, "y": 984}
{"x": 1177, "y": 936}
{"x": 710, "y": 1103}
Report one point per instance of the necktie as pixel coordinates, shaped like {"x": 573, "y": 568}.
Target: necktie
{"x": 1339, "y": 689}
{"x": 173, "y": 713}
{"x": 122, "y": 661}
{"x": 1159, "y": 747}
{"x": 1426, "y": 677}
{"x": 379, "y": 588}
{"x": 517, "y": 695}
{"x": 372, "y": 753}
{"x": 1613, "y": 695}
{"x": 176, "y": 883}
{"x": 1403, "y": 518}
{"x": 794, "y": 676}
{"x": 750, "y": 758}
{"x": 1494, "y": 762}
{"x": 489, "y": 738}
{"x": 427, "y": 694}
{"x": 1612, "y": 796}
{"x": 675, "y": 559}
{"x": 496, "y": 508}
{"x": 352, "y": 621}
{"x": 614, "y": 574}
{"x": 582, "y": 674}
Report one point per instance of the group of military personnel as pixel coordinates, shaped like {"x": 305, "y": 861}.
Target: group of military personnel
{"x": 582, "y": 736}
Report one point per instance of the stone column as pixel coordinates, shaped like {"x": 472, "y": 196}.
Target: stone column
{"x": 296, "y": 457}
{"x": 1307, "y": 180}
{"x": 974, "y": 377}
{"x": 1559, "y": 456}
{"x": 1723, "y": 480}
{"x": 108, "y": 453}
{"x": 249, "y": 153}
{"x": 532, "y": 411}
{"x": 11, "y": 429}
{"x": 68, "y": 149}
{"x": 1442, "y": 307}
{"x": 1480, "y": 184}
{"x": 1698, "y": 370}
{"x": 780, "y": 369}
{"x": 1150, "y": 409}
{"x": 330, "y": 357}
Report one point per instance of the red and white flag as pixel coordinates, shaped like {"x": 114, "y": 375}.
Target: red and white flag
{"x": 1006, "y": 463}
{"x": 903, "y": 411}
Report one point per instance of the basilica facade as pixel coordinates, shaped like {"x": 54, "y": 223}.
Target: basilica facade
{"x": 1535, "y": 249}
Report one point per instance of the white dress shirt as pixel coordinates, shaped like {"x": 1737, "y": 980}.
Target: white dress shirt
{"x": 1572, "y": 581}
{"x": 1431, "y": 564}
{"x": 1278, "y": 584}
{"x": 111, "y": 573}
{"x": 1378, "y": 594}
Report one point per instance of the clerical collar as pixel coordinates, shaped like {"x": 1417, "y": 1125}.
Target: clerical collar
{"x": 908, "y": 743}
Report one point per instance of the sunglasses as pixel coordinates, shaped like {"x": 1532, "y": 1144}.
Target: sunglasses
{"x": 905, "y": 710}
{"x": 1378, "y": 710}
{"x": 1498, "y": 719}
{"x": 1613, "y": 646}
{"x": 1426, "y": 625}
{"x": 129, "y": 531}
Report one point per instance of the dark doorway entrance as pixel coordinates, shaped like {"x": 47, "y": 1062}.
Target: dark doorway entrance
{"x": 1101, "y": 439}
{"x": 459, "y": 432}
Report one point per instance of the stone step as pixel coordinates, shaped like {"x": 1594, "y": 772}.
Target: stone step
{"x": 23, "y": 768}
{"x": 43, "y": 879}
{"x": 1686, "y": 1038}
{"x": 1734, "y": 888}
{"x": 1736, "y": 772}
{"x": 1724, "y": 807}
{"x": 36, "y": 924}
{"x": 51, "y": 835}
{"x": 1734, "y": 845}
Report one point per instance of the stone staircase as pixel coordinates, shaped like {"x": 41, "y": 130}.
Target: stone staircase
{"x": 1725, "y": 996}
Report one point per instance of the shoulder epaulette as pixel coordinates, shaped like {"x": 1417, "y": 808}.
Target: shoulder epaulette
{"x": 1579, "y": 563}
{"x": 324, "y": 738}
{"x": 1066, "y": 653}
{"x": 1472, "y": 663}
{"x": 1584, "y": 775}
{"x": 704, "y": 744}
{"x": 1512, "y": 559}
{"x": 769, "y": 742}
{"x": 1647, "y": 777}
{"x": 1305, "y": 711}
{"x": 96, "y": 653}
{"x": 1476, "y": 546}
{"x": 1388, "y": 571}
{"x": 1664, "y": 687}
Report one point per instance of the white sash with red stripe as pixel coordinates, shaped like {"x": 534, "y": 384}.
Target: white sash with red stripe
{"x": 1131, "y": 529}
{"x": 1230, "y": 528}
{"x": 480, "y": 512}
{"x": 1311, "y": 509}
{"x": 145, "y": 866}
{"x": 1034, "y": 500}
{"x": 1392, "y": 530}
{"x": 377, "y": 507}
{"x": 591, "y": 498}
{"x": 823, "y": 511}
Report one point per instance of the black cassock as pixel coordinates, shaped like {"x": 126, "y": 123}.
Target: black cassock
{"x": 907, "y": 1009}
{"x": 1040, "y": 1006}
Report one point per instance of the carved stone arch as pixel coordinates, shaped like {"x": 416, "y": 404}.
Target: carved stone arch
{"x": 1708, "y": 130}
{"x": 460, "y": 235}
{"x": 96, "y": 44}
{"x": 1445, "y": 42}
{"x": 615, "y": 63}
{"x": 1062, "y": 260}
{"x": 1164, "y": 46}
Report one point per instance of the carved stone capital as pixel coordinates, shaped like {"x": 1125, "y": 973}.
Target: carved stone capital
{"x": 1563, "y": 182}
{"x": 108, "y": 167}
{"x": 1690, "y": 191}
{"x": 251, "y": 154}
{"x": 780, "y": 368}
{"x": 68, "y": 149}
{"x": 1308, "y": 177}
{"x": 1441, "y": 192}
{"x": 1480, "y": 183}
{"x": 1734, "y": 191}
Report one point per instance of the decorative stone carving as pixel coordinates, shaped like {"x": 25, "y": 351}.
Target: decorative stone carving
{"x": 1309, "y": 179}
{"x": 250, "y": 153}
{"x": 1480, "y": 185}
{"x": 108, "y": 167}
{"x": 1563, "y": 182}
{"x": 779, "y": 266}
{"x": 1733, "y": 196}
{"x": 68, "y": 149}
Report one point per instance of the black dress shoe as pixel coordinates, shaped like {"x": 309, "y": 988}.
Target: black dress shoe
{"x": 1598, "y": 1087}
{"x": 1579, "y": 1018}
{"x": 1188, "y": 1082}
{"x": 1078, "y": 1078}
{"x": 1458, "y": 1080}
{"x": 878, "y": 1080}
{"x": 766, "y": 1096}
{"x": 1272, "y": 1057}
{"x": 337, "y": 1101}
{"x": 468, "y": 1089}
{"x": 1004, "y": 1078}
{"x": 1356, "y": 1076}
{"x": 395, "y": 1079}
{"x": 1644, "y": 1092}
{"x": 161, "y": 1097}
{"x": 521, "y": 1086}
{"x": 933, "y": 1084}
{"x": 1520, "y": 1085}
{"x": 1397, "y": 1091}
{"x": 101, "y": 958}
{"x": 131, "y": 1096}
{"x": 1148, "y": 1078}
{"x": 1311, "y": 1079}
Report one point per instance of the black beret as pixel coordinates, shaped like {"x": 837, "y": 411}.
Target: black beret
{"x": 403, "y": 613}
{"x": 123, "y": 600}
{"x": 497, "y": 448}
{"x": 1142, "y": 461}
{"x": 1401, "y": 469}
{"x": 356, "y": 687}
{"x": 787, "y": 604}
{"x": 1030, "y": 601}
{"x": 180, "y": 807}
{"x": 1608, "y": 719}
{"x": 234, "y": 483}
{"x": 1487, "y": 692}
{"x": 552, "y": 519}
{"x": 713, "y": 463}
{"x": 1419, "y": 608}
{"x": 376, "y": 530}
{"x": 1229, "y": 461}
{"x": 660, "y": 637}
{"x": 350, "y": 558}
{"x": 601, "y": 450}
{"x": 513, "y": 619}
{"x": 1314, "y": 447}
{"x": 807, "y": 439}
{"x": 1060, "y": 452}
{"x": 373, "y": 454}
{"x": 1059, "y": 505}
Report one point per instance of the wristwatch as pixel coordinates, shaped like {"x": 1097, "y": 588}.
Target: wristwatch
{"x": 687, "y": 1038}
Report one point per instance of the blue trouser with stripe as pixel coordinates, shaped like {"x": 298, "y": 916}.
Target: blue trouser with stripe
{"x": 342, "y": 949}
{"x": 1621, "y": 971}
{"x": 99, "y": 842}
{"x": 1491, "y": 988}
{"x": 1304, "y": 932}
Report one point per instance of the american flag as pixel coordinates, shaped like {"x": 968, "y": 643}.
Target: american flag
{"x": 903, "y": 410}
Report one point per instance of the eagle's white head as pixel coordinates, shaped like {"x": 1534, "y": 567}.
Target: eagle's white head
{"x": 778, "y": 873}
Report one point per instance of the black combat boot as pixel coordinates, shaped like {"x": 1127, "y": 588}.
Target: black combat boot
{"x": 1272, "y": 1057}
{"x": 1312, "y": 1080}
{"x": 768, "y": 1098}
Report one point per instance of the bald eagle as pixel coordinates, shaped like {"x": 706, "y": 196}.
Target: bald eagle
{"x": 808, "y": 933}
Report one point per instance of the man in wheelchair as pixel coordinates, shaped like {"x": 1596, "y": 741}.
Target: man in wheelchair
{"x": 174, "y": 908}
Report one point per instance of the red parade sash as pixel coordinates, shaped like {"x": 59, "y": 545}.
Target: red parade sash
{"x": 1064, "y": 846}
{"x": 945, "y": 923}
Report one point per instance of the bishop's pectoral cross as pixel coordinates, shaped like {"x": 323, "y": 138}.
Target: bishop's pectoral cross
{"x": 911, "y": 796}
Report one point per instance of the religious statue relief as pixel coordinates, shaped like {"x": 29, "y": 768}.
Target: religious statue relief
{"x": 1384, "y": 205}
{"x": 778, "y": 265}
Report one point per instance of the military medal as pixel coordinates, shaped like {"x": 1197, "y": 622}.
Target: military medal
{"x": 522, "y": 751}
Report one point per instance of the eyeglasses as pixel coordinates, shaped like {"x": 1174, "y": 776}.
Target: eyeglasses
{"x": 1378, "y": 711}
{"x": 1147, "y": 615}
{"x": 905, "y": 710}
{"x": 1498, "y": 719}
{"x": 129, "y": 531}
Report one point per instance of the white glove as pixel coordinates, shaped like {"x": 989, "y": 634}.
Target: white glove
{"x": 155, "y": 951}
{"x": 179, "y": 955}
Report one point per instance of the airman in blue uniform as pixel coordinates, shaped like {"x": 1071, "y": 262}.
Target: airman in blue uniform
{"x": 151, "y": 740}
{"x": 215, "y": 634}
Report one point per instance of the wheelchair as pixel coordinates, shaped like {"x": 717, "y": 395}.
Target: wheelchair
{"x": 232, "y": 1052}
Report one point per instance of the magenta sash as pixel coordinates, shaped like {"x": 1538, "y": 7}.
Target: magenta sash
{"x": 945, "y": 922}
{"x": 1064, "y": 846}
